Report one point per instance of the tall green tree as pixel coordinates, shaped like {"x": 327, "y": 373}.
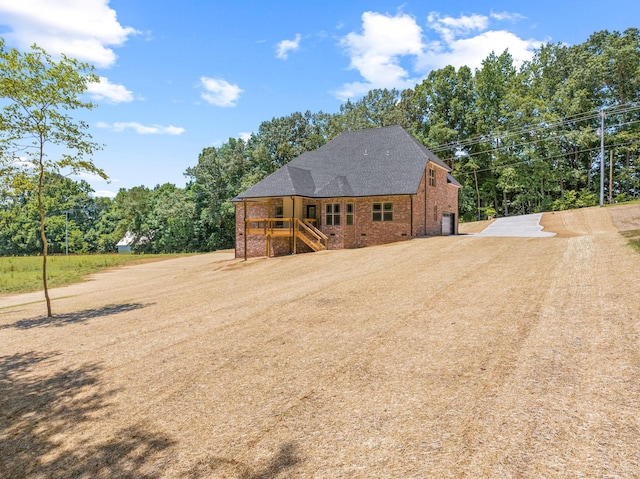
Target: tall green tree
{"x": 493, "y": 81}
{"x": 214, "y": 182}
{"x": 132, "y": 208}
{"x": 70, "y": 213}
{"x": 379, "y": 107}
{"x": 446, "y": 102}
{"x": 280, "y": 140}
{"x": 35, "y": 126}
{"x": 172, "y": 220}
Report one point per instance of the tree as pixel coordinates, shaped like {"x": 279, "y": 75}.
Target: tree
{"x": 37, "y": 93}
{"x": 215, "y": 181}
{"x": 445, "y": 102}
{"x": 379, "y": 107}
{"x": 133, "y": 208}
{"x": 71, "y": 214}
{"x": 172, "y": 220}
{"x": 101, "y": 234}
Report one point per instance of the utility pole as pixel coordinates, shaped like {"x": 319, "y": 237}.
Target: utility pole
{"x": 611, "y": 177}
{"x": 602, "y": 157}
{"x": 66, "y": 232}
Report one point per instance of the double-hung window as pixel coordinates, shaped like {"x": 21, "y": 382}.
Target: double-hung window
{"x": 349, "y": 214}
{"x": 332, "y": 214}
{"x": 432, "y": 177}
{"x": 382, "y": 211}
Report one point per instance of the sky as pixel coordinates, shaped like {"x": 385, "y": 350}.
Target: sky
{"x": 179, "y": 76}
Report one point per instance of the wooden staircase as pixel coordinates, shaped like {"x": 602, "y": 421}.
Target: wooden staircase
{"x": 310, "y": 235}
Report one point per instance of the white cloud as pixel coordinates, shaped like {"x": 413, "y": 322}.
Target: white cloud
{"x": 105, "y": 90}
{"x": 82, "y": 29}
{"x": 16, "y": 162}
{"x": 449, "y": 27}
{"x": 464, "y": 41}
{"x": 472, "y": 51}
{"x": 119, "y": 127}
{"x": 220, "y": 92}
{"x": 286, "y": 46}
{"x": 105, "y": 194}
{"x": 244, "y": 136}
{"x": 376, "y": 53}
{"x": 88, "y": 177}
{"x": 514, "y": 17}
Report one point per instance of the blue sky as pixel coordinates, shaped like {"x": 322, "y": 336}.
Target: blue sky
{"x": 178, "y": 76}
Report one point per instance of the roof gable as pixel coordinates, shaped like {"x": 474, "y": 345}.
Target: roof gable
{"x": 373, "y": 162}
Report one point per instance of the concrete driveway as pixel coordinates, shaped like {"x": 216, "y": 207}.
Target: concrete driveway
{"x": 525, "y": 226}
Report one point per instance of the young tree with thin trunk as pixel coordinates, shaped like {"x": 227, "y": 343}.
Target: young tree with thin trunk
{"x": 36, "y": 93}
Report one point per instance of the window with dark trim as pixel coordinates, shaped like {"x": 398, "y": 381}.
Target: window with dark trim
{"x": 432, "y": 177}
{"x": 382, "y": 211}
{"x": 349, "y": 214}
{"x": 332, "y": 216}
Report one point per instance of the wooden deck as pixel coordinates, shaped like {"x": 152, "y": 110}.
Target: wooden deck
{"x": 288, "y": 228}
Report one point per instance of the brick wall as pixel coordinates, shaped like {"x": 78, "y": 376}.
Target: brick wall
{"x": 441, "y": 198}
{"x": 365, "y": 231}
{"x": 420, "y": 209}
{"x": 256, "y": 244}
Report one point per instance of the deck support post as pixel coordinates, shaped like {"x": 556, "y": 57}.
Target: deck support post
{"x": 292, "y": 245}
{"x": 244, "y": 203}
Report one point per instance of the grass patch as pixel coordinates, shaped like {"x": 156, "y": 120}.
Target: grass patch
{"x": 23, "y": 274}
{"x": 633, "y": 236}
{"x": 631, "y": 233}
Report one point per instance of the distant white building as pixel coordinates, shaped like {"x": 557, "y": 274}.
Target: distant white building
{"x": 128, "y": 241}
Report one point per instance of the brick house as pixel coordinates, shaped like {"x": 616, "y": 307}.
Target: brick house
{"x": 362, "y": 188}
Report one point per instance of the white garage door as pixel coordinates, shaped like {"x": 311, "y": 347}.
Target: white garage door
{"x": 447, "y": 223}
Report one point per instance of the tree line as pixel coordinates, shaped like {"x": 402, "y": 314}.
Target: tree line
{"x": 519, "y": 139}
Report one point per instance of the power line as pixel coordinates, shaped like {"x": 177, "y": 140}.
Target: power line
{"x": 533, "y": 142}
{"x": 504, "y": 135}
{"x": 531, "y": 160}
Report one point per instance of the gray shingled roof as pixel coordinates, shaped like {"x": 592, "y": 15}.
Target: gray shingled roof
{"x": 374, "y": 162}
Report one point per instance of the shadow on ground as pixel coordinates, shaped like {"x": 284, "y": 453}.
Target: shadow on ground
{"x": 75, "y": 317}
{"x": 286, "y": 458}
{"x": 39, "y": 412}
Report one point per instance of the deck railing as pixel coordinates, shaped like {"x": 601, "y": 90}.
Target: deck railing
{"x": 311, "y": 236}
{"x": 288, "y": 227}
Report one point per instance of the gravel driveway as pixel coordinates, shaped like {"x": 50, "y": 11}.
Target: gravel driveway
{"x": 518, "y": 226}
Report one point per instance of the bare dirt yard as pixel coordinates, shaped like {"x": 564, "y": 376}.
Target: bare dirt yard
{"x": 444, "y": 357}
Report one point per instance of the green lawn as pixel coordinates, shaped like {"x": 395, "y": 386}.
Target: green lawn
{"x": 22, "y": 274}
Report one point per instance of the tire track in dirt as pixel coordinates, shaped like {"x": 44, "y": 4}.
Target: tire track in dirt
{"x": 361, "y": 359}
{"x": 553, "y": 419}
{"x": 328, "y": 369}
{"x": 285, "y": 308}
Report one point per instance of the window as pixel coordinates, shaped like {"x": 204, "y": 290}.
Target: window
{"x": 432, "y": 177}
{"x": 382, "y": 211}
{"x": 349, "y": 214}
{"x": 332, "y": 217}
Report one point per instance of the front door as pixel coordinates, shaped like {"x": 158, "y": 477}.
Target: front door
{"x": 311, "y": 214}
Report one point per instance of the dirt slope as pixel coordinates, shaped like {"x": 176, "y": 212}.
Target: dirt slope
{"x": 442, "y": 357}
